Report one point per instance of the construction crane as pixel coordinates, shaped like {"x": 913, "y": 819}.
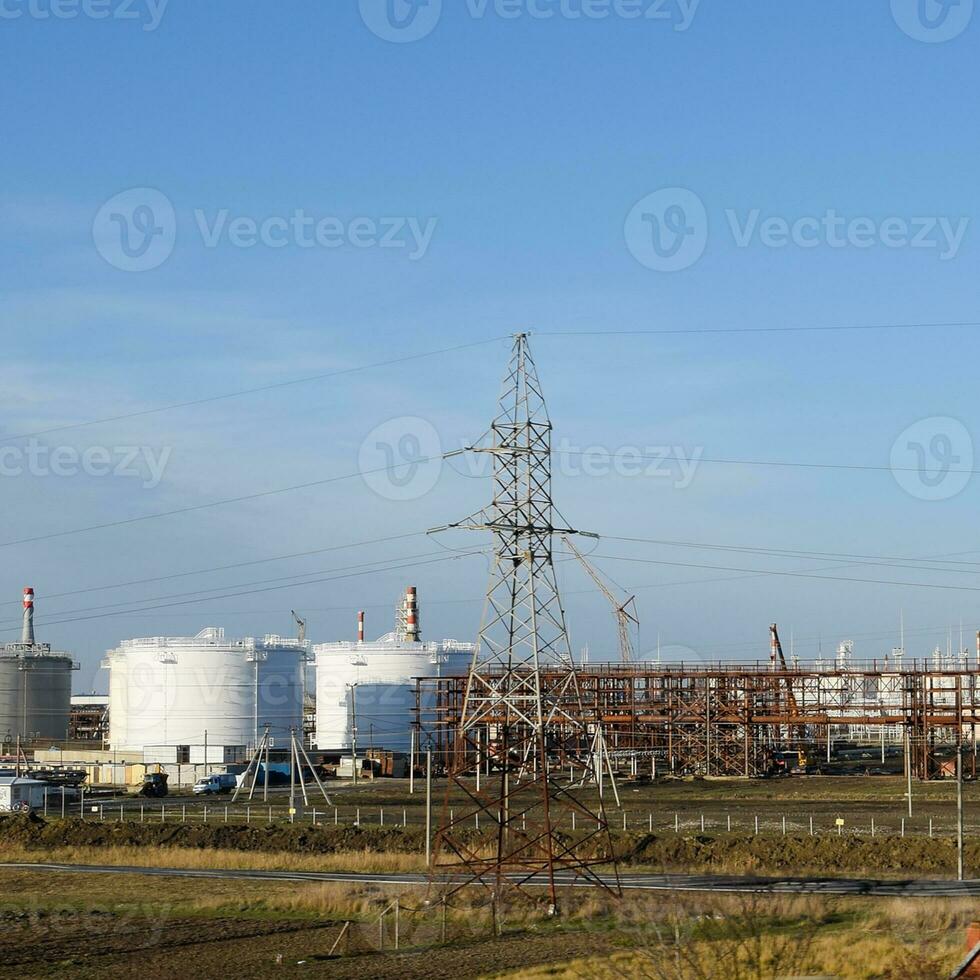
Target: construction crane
{"x": 776, "y": 653}
{"x": 625, "y": 612}
{"x": 301, "y": 623}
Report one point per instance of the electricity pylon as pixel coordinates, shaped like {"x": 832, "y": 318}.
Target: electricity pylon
{"x": 522, "y": 718}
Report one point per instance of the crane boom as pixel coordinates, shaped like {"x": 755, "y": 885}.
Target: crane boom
{"x": 624, "y": 612}
{"x": 776, "y": 651}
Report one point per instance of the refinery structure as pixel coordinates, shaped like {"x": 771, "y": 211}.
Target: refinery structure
{"x": 211, "y": 699}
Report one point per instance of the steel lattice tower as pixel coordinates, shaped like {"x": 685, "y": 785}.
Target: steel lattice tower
{"x": 523, "y": 720}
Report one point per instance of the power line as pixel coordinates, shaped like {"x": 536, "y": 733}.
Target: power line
{"x": 235, "y": 585}
{"x": 216, "y": 503}
{"x": 252, "y": 391}
{"x": 220, "y": 568}
{"x": 793, "y": 574}
{"x": 273, "y": 588}
{"x": 632, "y": 456}
{"x": 679, "y": 331}
{"x": 883, "y": 561}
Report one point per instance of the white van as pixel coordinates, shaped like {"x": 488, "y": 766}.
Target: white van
{"x": 223, "y": 782}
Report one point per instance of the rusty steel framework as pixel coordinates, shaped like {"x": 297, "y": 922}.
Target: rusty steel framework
{"x": 521, "y": 711}
{"x": 729, "y": 719}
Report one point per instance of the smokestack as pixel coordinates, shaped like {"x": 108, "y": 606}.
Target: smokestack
{"x": 360, "y": 627}
{"x": 772, "y": 647}
{"x": 27, "y": 634}
{"x": 413, "y": 632}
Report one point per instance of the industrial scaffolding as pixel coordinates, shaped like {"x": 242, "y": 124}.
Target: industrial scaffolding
{"x": 730, "y": 719}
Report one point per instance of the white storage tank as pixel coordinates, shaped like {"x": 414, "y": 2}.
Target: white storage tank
{"x": 372, "y": 684}
{"x": 172, "y": 690}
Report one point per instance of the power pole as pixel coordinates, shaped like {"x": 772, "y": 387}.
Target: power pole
{"x": 353, "y": 729}
{"x": 522, "y": 684}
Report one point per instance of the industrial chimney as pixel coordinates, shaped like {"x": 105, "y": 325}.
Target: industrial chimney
{"x": 360, "y": 627}
{"x": 27, "y": 634}
{"x": 413, "y": 632}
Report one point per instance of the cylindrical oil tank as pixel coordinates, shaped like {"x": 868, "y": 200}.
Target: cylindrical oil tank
{"x": 372, "y": 686}
{"x": 35, "y": 692}
{"x": 183, "y": 691}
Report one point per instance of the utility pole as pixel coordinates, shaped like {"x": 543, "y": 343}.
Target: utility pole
{"x": 428, "y": 808}
{"x": 523, "y": 681}
{"x": 292, "y": 774}
{"x": 959, "y": 812}
{"x": 353, "y": 728}
{"x": 411, "y": 764}
{"x": 959, "y": 777}
{"x": 908, "y": 767}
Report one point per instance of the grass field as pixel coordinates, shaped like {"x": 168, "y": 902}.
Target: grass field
{"x": 108, "y": 925}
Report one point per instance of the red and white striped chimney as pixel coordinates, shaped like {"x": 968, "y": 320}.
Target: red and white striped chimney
{"x": 27, "y": 634}
{"x": 412, "y": 630}
{"x": 360, "y": 627}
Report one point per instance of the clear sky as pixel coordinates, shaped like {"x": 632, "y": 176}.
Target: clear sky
{"x": 203, "y": 197}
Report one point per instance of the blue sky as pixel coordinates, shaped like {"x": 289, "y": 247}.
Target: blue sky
{"x": 504, "y": 155}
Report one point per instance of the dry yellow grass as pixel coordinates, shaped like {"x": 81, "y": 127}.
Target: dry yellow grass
{"x": 850, "y": 939}
{"x": 365, "y": 862}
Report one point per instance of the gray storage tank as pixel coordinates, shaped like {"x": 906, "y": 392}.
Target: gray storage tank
{"x": 35, "y": 686}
